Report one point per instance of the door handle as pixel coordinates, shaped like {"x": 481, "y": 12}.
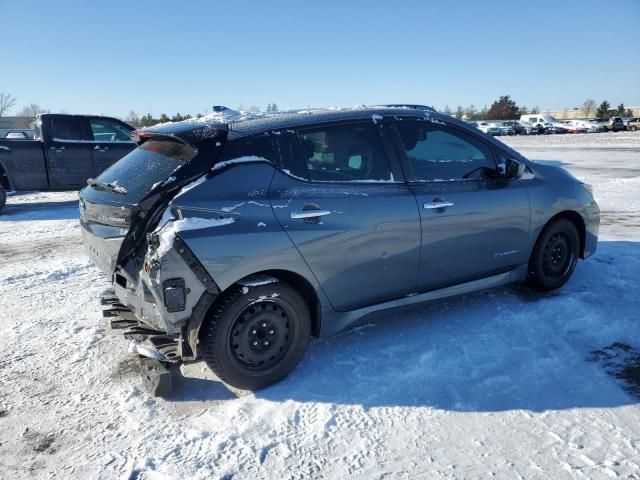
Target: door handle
{"x": 102, "y": 149}
{"x": 57, "y": 149}
{"x": 437, "y": 205}
{"x": 308, "y": 213}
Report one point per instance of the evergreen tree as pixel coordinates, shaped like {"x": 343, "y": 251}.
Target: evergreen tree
{"x": 482, "y": 114}
{"x": 603, "y": 110}
{"x": 274, "y": 108}
{"x": 524, "y": 110}
{"x": 164, "y": 118}
{"x": 459, "y": 112}
{"x": 628, "y": 113}
{"x": 447, "y": 110}
{"x": 535, "y": 110}
{"x": 503, "y": 109}
{"x": 620, "y": 110}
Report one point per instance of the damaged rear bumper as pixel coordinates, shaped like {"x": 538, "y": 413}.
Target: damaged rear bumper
{"x": 145, "y": 340}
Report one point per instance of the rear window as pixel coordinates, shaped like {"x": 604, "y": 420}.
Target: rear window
{"x": 153, "y": 162}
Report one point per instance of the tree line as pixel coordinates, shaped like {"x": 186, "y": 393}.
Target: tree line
{"x": 505, "y": 108}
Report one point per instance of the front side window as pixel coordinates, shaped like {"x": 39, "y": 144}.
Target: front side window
{"x": 342, "y": 153}
{"x": 108, "y": 131}
{"x": 439, "y": 153}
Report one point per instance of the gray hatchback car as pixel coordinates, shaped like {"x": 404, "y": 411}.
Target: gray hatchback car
{"x": 236, "y": 242}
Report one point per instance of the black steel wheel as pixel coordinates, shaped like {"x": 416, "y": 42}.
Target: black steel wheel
{"x": 255, "y": 336}
{"x": 554, "y": 256}
{"x": 261, "y": 335}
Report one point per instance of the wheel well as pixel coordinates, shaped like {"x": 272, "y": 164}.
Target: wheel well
{"x": 576, "y": 219}
{"x": 298, "y": 282}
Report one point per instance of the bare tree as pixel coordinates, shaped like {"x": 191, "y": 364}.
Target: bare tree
{"x": 7, "y": 101}
{"x": 32, "y": 110}
{"x": 588, "y": 106}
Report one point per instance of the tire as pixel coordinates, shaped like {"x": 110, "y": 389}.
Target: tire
{"x": 3, "y": 197}
{"x": 554, "y": 256}
{"x": 234, "y": 335}
{"x": 633, "y": 128}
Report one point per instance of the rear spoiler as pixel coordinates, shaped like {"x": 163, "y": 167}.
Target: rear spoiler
{"x": 191, "y": 133}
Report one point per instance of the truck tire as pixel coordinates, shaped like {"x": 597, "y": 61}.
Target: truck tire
{"x": 554, "y": 256}
{"x": 3, "y": 197}
{"x": 256, "y": 336}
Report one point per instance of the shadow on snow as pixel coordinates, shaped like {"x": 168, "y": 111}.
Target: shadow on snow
{"x": 503, "y": 349}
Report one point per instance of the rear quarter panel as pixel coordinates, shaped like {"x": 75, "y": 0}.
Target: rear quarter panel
{"x": 254, "y": 241}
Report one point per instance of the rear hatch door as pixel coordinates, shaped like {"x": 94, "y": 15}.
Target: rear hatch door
{"x": 116, "y": 207}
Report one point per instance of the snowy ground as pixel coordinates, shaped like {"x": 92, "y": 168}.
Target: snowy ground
{"x": 499, "y": 384}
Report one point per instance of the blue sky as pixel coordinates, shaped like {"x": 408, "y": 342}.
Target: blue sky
{"x": 111, "y": 57}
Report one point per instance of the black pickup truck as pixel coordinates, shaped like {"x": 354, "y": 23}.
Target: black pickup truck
{"x": 66, "y": 151}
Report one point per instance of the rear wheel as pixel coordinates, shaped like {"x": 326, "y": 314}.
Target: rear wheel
{"x": 555, "y": 256}
{"x": 255, "y": 339}
{"x": 3, "y": 197}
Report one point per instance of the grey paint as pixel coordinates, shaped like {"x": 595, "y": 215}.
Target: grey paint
{"x": 378, "y": 249}
{"x": 485, "y": 231}
{"x": 367, "y": 250}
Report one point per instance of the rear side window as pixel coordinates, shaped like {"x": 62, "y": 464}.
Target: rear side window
{"x": 439, "y": 153}
{"x": 67, "y": 128}
{"x": 260, "y": 146}
{"x": 105, "y": 130}
{"x": 340, "y": 153}
{"x": 139, "y": 171}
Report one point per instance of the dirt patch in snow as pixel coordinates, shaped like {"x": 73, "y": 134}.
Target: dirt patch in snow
{"x": 40, "y": 442}
{"x": 127, "y": 367}
{"x": 621, "y": 361}
{"x": 3, "y": 413}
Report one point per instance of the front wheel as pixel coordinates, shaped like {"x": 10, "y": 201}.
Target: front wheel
{"x": 554, "y": 256}
{"x": 256, "y": 335}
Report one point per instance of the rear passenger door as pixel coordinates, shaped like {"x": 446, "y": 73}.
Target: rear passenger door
{"x": 475, "y": 223}
{"x": 111, "y": 142}
{"x": 341, "y": 198}
{"x": 68, "y": 152}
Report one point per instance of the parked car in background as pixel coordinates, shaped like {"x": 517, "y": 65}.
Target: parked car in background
{"x": 487, "y": 127}
{"x": 241, "y": 241}
{"x": 517, "y": 127}
{"x": 505, "y": 129}
{"x": 633, "y": 124}
{"x": 548, "y": 123}
{"x": 575, "y": 126}
{"x": 616, "y": 124}
{"x": 66, "y": 151}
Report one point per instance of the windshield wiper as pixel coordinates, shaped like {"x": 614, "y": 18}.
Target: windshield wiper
{"x": 107, "y": 187}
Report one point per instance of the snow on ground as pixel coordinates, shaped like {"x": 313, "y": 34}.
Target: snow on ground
{"x": 499, "y": 383}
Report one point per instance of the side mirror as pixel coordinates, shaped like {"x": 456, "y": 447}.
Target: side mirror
{"x": 513, "y": 169}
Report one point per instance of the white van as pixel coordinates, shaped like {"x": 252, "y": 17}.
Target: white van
{"x": 547, "y": 121}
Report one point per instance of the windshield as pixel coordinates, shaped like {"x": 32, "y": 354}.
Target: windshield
{"x": 144, "y": 169}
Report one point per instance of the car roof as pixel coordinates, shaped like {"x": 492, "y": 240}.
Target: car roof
{"x": 193, "y": 131}
{"x": 304, "y": 118}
